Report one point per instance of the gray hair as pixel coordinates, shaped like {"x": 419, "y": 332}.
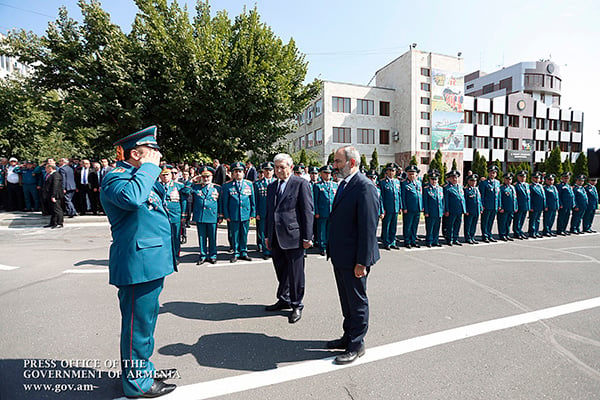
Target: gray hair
{"x": 284, "y": 157}
{"x": 351, "y": 153}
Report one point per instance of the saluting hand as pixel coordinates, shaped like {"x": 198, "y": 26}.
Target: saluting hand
{"x": 152, "y": 156}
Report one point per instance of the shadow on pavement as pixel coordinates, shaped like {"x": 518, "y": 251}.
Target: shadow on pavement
{"x": 247, "y": 351}
{"x": 216, "y": 311}
{"x": 103, "y": 263}
{"x": 55, "y": 379}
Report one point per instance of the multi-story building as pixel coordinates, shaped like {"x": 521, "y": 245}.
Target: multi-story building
{"x": 10, "y": 65}
{"x": 418, "y": 107}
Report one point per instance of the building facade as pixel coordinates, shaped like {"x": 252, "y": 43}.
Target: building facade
{"x": 10, "y": 65}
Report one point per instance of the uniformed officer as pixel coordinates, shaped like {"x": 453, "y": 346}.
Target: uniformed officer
{"x": 313, "y": 172}
{"x": 372, "y": 175}
{"x": 238, "y": 208}
{"x": 260, "y": 199}
{"x": 392, "y": 204}
{"x": 566, "y": 202}
{"x": 412, "y": 205}
{"x": 524, "y": 205}
{"x": 538, "y": 204}
{"x": 323, "y": 194}
{"x": 454, "y": 206}
{"x": 30, "y": 181}
{"x": 592, "y": 194}
{"x": 552, "y": 204}
{"x": 175, "y": 195}
{"x": 581, "y": 204}
{"x": 433, "y": 208}
{"x": 474, "y": 208}
{"x": 206, "y": 213}
{"x": 490, "y": 198}
{"x": 508, "y": 206}
{"x": 141, "y": 255}
{"x": 299, "y": 170}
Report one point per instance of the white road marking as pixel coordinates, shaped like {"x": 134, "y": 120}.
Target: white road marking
{"x": 241, "y": 262}
{"x": 7, "y": 267}
{"x": 85, "y": 271}
{"x": 240, "y": 383}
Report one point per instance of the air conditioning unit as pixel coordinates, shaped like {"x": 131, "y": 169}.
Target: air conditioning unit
{"x": 396, "y": 136}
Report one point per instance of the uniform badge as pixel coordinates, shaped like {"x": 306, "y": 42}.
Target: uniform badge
{"x": 118, "y": 169}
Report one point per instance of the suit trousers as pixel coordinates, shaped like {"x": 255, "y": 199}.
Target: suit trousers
{"x": 56, "y": 213}
{"x": 207, "y": 233}
{"x": 470, "y": 226}
{"x": 289, "y": 269}
{"x": 534, "y": 222}
{"x": 518, "y": 222}
{"x": 355, "y": 306}
{"x": 563, "y": 219}
{"x": 432, "y": 229}
{"x": 14, "y": 195}
{"x": 139, "y": 311}
{"x": 389, "y": 227}
{"x": 487, "y": 222}
{"x": 69, "y": 207}
{"x": 588, "y": 219}
{"x": 410, "y": 224}
{"x": 549, "y": 217}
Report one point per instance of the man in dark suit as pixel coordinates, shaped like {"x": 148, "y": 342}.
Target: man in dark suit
{"x": 84, "y": 186}
{"x": 68, "y": 181}
{"x": 352, "y": 247}
{"x": 220, "y": 176}
{"x": 52, "y": 195}
{"x": 251, "y": 173}
{"x": 288, "y": 231}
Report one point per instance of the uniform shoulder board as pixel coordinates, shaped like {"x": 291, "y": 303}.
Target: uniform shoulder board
{"x": 216, "y": 184}
{"x": 118, "y": 169}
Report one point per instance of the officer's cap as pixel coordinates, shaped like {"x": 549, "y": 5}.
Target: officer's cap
{"x": 326, "y": 168}
{"x": 237, "y": 166}
{"x": 493, "y": 168}
{"x": 566, "y": 174}
{"x": 145, "y": 137}
{"x": 412, "y": 168}
{"x": 472, "y": 177}
{"x": 591, "y": 178}
{"x": 453, "y": 173}
{"x": 298, "y": 168}
{"x": 301, "y": 165}
{"x": 522, "y": 173}
{"x": 267, "y": 165}
{"x": 29, "y": 162}
{"x": 391, "y": 166}
{"x": 433, "y": 174}
{"x": 166, "y": 169}
{"x": 372, "y": 174}
{"x": 537, "y": 175}
{"x": 509, "y": 175}
{"x": 550, "y": 176}
{"x": 433, "y": 171}
{"x": 206, "y": 170}
{"x": 581, "y": 177}
{"x": 13, "y": 159}
{"x": 75, "y": 158}
{"x": 313, "y": 170}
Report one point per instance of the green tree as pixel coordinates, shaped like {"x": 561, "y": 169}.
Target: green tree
{"x": 580, "y": 167}
{"x": 413, "y": 160}
{"x": 363, "y": 162}
{"x": 498, "y": 164}
{"x": 454, "y": 164}
{"x": 331, "y": 158}
{"x": 308, "y": 158}
{"x": 479, "y": 165}
{"x": 553, "y": 163}
{"x": 567, "y": 166}
{"x": 374, "y": 161}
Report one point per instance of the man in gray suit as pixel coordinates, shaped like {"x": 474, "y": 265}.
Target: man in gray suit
{"x": 288, "y": 231}
{"x": 68, "y": 181}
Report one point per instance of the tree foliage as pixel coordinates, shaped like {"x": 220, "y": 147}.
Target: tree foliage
{"x": 374, "y": 166}
{"x": 553, "y": 164}
{"x": 580, "y": 167}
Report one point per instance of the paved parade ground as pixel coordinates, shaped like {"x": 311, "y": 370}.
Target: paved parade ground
{"x": 515, "y": 320}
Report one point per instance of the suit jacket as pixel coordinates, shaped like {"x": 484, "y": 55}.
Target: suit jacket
{"x": 353, "y": 225}
{"x": 68, "y": 177}
{"x": 291, "y": 216}
{"x": 53, "y": 186}
{"x": 220, "y": 175}
{"x": 251, "y": 174}
{"x": 94, "y": 179}
{"x": 134, "y": 202}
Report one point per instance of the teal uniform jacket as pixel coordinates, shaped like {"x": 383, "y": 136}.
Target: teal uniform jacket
{"x": 260, "y": 196}
{"x": 473, "y": 200}
{"x": 390, "y": 195}
{"x": 538, "y": 197}
{"x": 28, "y": 176}
{"x": 323, "y": 194}
{"x": 581, "y": 198}
{"x": 176, "y": 195}
{"x": 433, "y": 200}
{"x": 552, "y": 202}
{"x": 134, "y": 202}
{"x": 509, "y": 199}
{"x": 490, "y": 194}
{"x": 592, "y": 194}
{"x": 207, "y": 201}
{"x": 523, "y": 196}
{"x": 412, "y": 196}
{"x": 238, "y": 204}
{"x": 454, "y": 196}
{"x": 566, "y": 197}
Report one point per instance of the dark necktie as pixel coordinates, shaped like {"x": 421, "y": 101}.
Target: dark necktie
{"x": 339, "y": 191}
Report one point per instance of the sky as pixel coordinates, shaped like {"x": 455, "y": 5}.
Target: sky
{"x": 349, "y": 40}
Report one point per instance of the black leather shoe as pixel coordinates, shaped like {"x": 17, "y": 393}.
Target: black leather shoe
{"x": 321, "y": 253}
{"x": 407, "y": 246}
{"x": 449, "y": 244}
{"x": 212, "y": 261}
{"x": 387, "y": 248}
{"x": 510, "y": 239}
{"x": 233, "y": 259}
{"x": 200, "y": 261}
{"x": 49, "y": 226}
{"x": 280, "y": 305}
{"x": 504, "y": 238}
{"x": 474, "y": 241}
{"x": 417, "y": 245}
{"x": 57, "y": 226}
{"x": 340, "y": 343}
{"x": 295, "y": 315}
{"x": 245, "y": 258}
{"x": 458, "y": 243}
{"x": 349, "y": 356}
{"x": 485, "y": 240}
{"x": 157, "y": 389}
{"x": 437, "y": 245}
{"x": 493, "y": 240}
{"x": 429, "y": 245}
{"x": 164, "y": 374}
{"x": 394, "y": 247}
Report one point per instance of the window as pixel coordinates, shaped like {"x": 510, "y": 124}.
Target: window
{"x": 481, "y": 143}
{"x": 513, "y": 144}
{"x": 301, "y": 118}
{"x": 469, "y": 142}
{"x": 548, "y": 83}
{"x": 564, "y": 147}
{"x": 309, "y": 113}
{"x": 425, "y": 86}
{"x": 365, "y": 136}
{"x": 564, "y": 126}
{"x": 302, "y": 142}
{"x": 540, "y": 123}
{"x": 468, "y": 117}
{"x": 424, "y": 115}
{"x": 310, "y": 139}
{"x": 318, "y": 136}
{"x": 542, "y": 97}
{"x": 470, "y": 86}
{"x": 555, "y": 100}
{"x": 341, "y": 135}
{"x": 551, "y": 146}
{"x": 425, "y": 160}
{"x": 488, "y": 88}
{"x": 384, "y": 108}
{"x": 483, "y": 118}
{"x": 534, "y": 80}
{"x": 425, "y": 72}
{"x": 498, "y": 120}
{"x": 553, "y": 125}
{"x": 527, "y": 122}
{"x": 425, "y": 100}
{"x": 425, "y": 130}
{"x": 425, "y": 146}
{"x": 576, "y": 147}
{"x": 318, "y": 107}
{"x": 341, "y": 104}
{"x": 513, "y": 121}
{"x": 365, "y": 106}
{"x": 575, "y": 126}
{"x": 384, "y": 136}
{"x": 498, "y": 143}
{"x": 539, "y": 145}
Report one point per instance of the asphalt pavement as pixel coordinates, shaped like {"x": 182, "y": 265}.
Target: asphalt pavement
{"x": 515, "y": 320}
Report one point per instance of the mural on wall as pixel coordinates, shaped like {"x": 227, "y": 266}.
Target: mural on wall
{"x": 447, "y": 116}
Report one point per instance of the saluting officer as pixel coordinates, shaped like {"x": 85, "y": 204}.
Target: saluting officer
{"x": 141, "y": 255}
{"x": 552, "y": 204}
{"x": 474, "y": 208}
{"x": 581, "y": 204}
{"x": 175, "y": 196}
{"x": 323, "y": 194}
{"x": 392, "y": 204}
{"x": 508, "y": 207}
{"x": 260, "y": 199}
{"x": 566, "y": 202}
{"x": 538, "y": 204}
{"x": 238, "y": 208}
{"x": 30, "y": 182}
{"x": 206, "y": 213}
{"x": 524, "y": 203}
{"x": 590, "y": 211}
{"x": 454, "y": 206}
{"x": 433, "y": 208}
{"x": 412, "y": 205}
{"x": 490, "y": 198}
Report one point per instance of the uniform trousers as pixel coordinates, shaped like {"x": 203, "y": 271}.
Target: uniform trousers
{"x": 576, "y": 220}
{"x": 519, "y": 220}
{"x": 207, "y": 239}
{"x": 322, "y": 232}
{"x": 549, "y": 217}
{"x": 588, "y": 218}
{"x": 470, "y": 226}
{"x": 260, "y": 236}
{"x": 454, "y": 221}
{"x": 563, "y": 219}
{"x": 175, "y": 242}
{"x": 14, "y": 194}
{"x": 139, "y": 311}
{"x": 504, "y": 220}
{"x": 410, "y": 224}
{"x": 389, "y": 227}
{"x": 289, "y": 269}
{"x": 239, "y": 237}
{"x": 534, "y": 222}
{"x": 432, "y": 229}
{"x": 32, "y": 199}
{"x": 487, "y": 222}
{"x": 355, "y": 306}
